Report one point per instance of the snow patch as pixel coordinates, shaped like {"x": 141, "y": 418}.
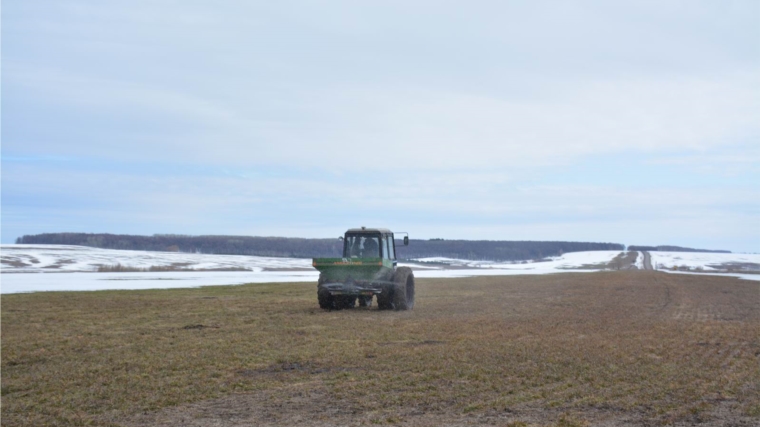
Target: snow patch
{"x": 35, "y": 268}
{"x": 702, "y": 260}
{"x": 16, "y": 283}
{"x": 640, "y": 260}
{"x": 568, "y": 261}
{"x": 62, "y": 258}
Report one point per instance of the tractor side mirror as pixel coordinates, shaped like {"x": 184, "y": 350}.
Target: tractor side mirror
{"x": 406, "y": 240}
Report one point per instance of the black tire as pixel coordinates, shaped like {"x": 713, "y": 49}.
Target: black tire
{"x": 385, "y": 300}
{"x": 326, "y": 301}
{"x": 403, "y": 289}
{"x": 365, "y": 301}
{"x": 347, "y": 302}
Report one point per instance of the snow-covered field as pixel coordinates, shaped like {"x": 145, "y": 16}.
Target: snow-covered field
{"x": 32, "y": 268}
{"x": 61, "y": 258}
{"x": 705, "y": 261}
{"x": 15, "y": 283}
{"x": 640, "y": 261}
{"x": 592, "y": 260}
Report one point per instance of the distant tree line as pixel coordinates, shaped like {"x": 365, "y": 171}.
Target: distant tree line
{"x": 666, "y": 248}
{"x": 228, "y": 245}
{"x": 497, "y": 250}
{"x": 494, "y": 250}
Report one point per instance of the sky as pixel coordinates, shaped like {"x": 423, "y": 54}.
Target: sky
{"x": 626, "y": 122}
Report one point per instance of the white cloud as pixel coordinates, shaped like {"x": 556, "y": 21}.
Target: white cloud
{"x": 387, "y": 112}
{"x": 436, "y": 86}
{"x": 427, "y": 129}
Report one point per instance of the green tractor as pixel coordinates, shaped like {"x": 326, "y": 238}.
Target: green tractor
{"x": 368, "y": 268}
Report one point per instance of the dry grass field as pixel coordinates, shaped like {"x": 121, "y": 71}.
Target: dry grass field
{"x": 611, "y": 349}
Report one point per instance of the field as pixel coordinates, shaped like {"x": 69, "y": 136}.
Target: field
{"x": 573, "y": 349}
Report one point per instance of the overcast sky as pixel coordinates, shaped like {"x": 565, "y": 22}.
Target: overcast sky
{"x": 630, "y": 122}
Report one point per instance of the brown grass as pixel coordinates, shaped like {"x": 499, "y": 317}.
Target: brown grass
{"x": 619, "y": 348}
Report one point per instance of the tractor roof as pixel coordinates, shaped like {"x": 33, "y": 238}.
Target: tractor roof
{"x": 369, "y": 230}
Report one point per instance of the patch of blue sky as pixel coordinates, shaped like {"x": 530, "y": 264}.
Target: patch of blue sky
{"x": 12, "y": 199}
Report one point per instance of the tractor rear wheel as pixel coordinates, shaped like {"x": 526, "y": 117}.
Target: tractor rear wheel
{"x": 403, "y": 289}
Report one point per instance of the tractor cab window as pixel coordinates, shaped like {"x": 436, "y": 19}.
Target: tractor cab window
{"x": 362, "y": 246}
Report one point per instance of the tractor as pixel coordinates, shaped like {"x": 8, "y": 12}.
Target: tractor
{"x": 367, "y": 269}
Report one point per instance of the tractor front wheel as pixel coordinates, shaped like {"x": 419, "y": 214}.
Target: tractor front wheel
{"x": 326, "y": 301}
{"x": 385, "y": 300}
{"x": 348, "y": 301}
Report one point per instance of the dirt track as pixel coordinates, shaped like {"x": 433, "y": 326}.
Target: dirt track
{"x": 647, "y": 261}
{"x": 655, "y": 348}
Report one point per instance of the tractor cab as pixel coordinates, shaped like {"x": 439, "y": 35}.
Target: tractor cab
{"x": 369, "y": 243}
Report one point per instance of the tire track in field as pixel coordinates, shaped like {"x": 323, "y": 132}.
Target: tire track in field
{"x": 647, "y": 261}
